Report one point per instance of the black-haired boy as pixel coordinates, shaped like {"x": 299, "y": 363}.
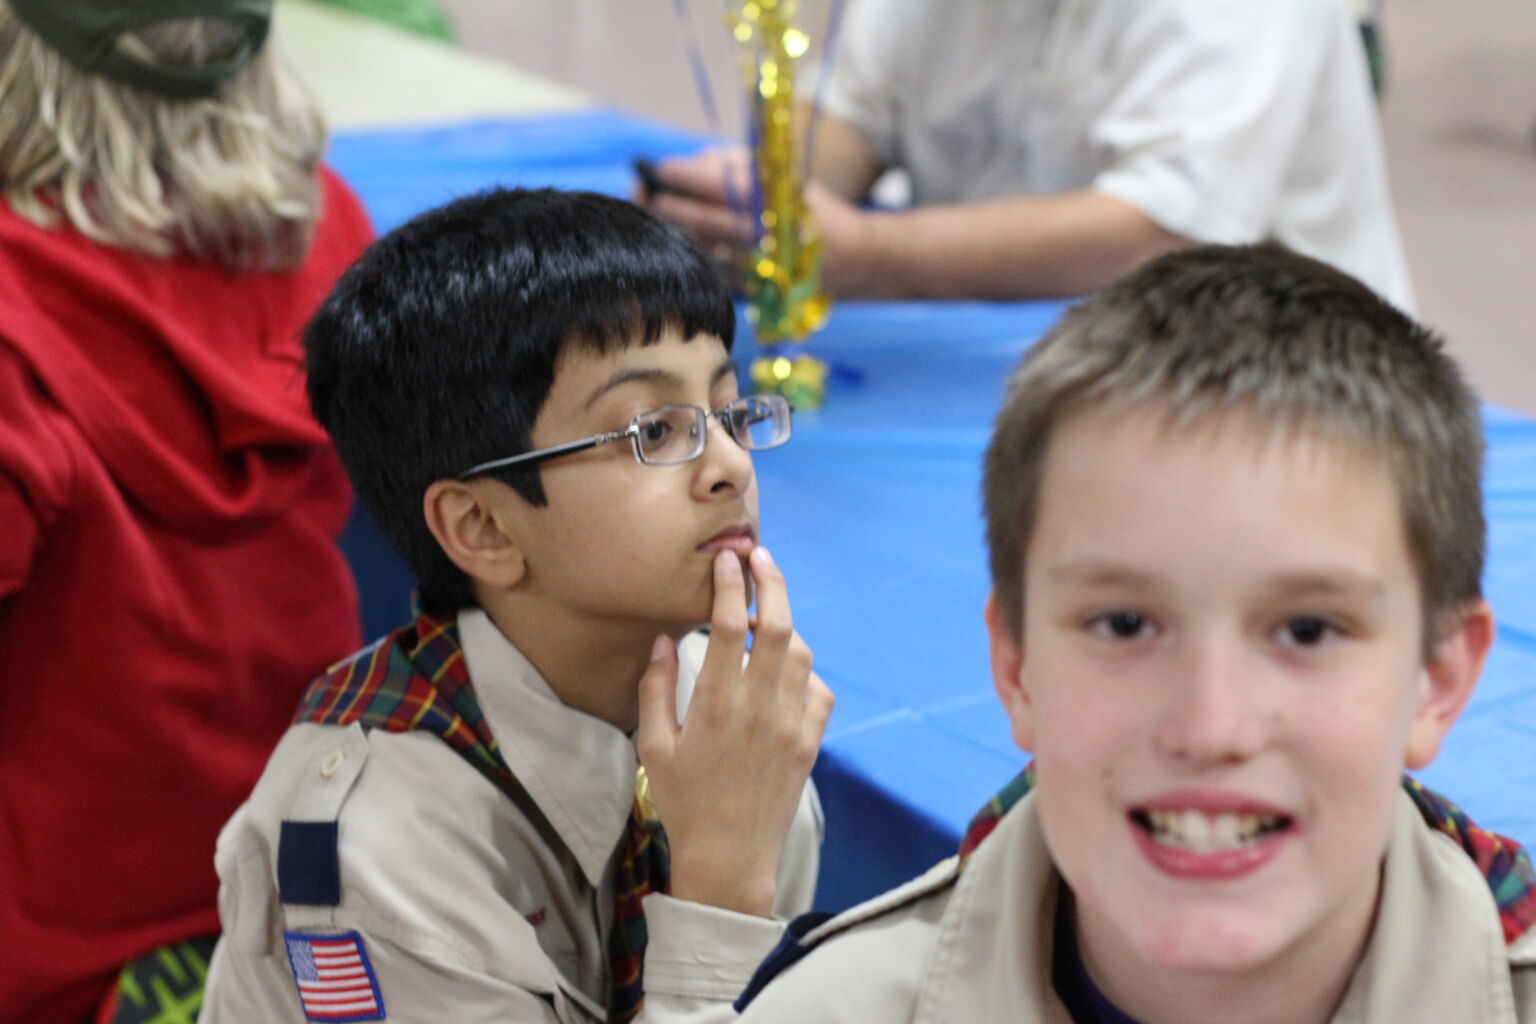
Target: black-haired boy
{"x": 533, "y": 394}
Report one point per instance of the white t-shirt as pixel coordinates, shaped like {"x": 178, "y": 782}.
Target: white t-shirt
{"x": 1223, "y": 120}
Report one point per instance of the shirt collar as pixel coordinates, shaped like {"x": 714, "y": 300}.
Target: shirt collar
{"x": 578, "y": 769}
{"x": 1437, "y": 950}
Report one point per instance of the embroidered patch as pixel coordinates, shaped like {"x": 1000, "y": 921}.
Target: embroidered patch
{"x": 334, "y": 978}
{"x": 308, "y": 866}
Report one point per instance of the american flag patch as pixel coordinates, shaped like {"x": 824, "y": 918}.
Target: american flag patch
{"x": 334, "y": 977}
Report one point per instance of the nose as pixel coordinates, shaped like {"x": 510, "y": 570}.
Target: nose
{"x": 724, "y": 467}
{"x": 1215, "y": 711}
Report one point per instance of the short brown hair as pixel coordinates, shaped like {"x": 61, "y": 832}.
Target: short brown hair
{"x": 1292, "y": 341}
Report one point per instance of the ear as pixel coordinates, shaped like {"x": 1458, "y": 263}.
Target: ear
{"x": 1447, "y": 682}
{"x": 470, "y": 521}
{"x": 1007, "y": 675}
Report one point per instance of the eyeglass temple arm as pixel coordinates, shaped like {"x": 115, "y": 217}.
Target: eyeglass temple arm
{"x": 544, "y": 454}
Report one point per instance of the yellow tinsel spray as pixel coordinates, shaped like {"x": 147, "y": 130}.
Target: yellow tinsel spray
{"x": 783, "y": 275}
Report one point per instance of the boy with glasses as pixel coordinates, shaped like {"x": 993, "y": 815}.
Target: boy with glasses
{"x": 534, "y": 395}
{"x": 1236, "y": 536}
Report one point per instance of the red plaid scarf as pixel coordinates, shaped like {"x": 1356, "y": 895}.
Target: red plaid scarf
{"x": 417, "y": 678}
{"x": 1503, "y": 862}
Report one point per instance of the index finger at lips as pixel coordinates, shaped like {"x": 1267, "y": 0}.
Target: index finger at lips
{"x": 727, "y": 621}
{"x": 775, "y": 626}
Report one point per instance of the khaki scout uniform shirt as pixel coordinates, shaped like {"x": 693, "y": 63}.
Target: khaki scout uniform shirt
{"x": 469, "y": 911}
{"x": 976, "y": 948}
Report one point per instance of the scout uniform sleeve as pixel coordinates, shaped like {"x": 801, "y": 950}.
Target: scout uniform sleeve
{"x": 348, "y": 902}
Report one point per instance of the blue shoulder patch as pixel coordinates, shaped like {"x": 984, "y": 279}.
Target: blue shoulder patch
{"x": 785, "y": 955}
{"x": 308, "y": 864}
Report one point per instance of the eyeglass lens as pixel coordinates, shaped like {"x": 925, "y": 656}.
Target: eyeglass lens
{"x": 676, "y": 433}
{"x": 758, "y": 422}
{"x": 671, "y": 434}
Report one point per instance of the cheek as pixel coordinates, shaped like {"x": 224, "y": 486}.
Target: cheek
{"x": 1081, "y": 730}
{"x": 1355, "y": 742}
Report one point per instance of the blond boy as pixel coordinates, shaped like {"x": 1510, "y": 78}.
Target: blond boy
{"x": 1236, "y": 541}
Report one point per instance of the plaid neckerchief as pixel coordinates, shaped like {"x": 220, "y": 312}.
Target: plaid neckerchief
{"x": 417, "y": 678}
{"x": 1503, "y": 862}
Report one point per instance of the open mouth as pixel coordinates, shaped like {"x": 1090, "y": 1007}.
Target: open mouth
{"x": 1200, "y": 832}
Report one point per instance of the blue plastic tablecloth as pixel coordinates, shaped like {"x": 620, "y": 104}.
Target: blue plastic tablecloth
{"x": 873, "y": 512}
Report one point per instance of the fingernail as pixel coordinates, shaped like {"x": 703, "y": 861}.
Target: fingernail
{"x": 767, "y": 556}
{"x": 725, "y": 560}
{"x": 659, "y": 649}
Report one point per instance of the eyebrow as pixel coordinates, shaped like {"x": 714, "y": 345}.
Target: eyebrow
{"x": 1101, "y": 574}
{"x": 1321, "y": 583}
{"x": 657, "y": 377}
{"x": 1331, "y": 583}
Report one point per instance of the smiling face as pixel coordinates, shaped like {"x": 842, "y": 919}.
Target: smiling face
{"x": 623, "y": 547}
{"x": 1220, "y": 674}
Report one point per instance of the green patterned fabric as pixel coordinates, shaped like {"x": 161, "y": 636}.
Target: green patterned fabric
{"x": 161, "y": 987}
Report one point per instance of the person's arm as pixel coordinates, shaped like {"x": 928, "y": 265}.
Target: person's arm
{"x": 842, "y": 159}
{"x": 1027, "y": 246}
{"x": 1011, "y": 248}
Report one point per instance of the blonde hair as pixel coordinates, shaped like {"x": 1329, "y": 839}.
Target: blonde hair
{"x": 228, "y": 179}
{"x": 1264, "y": 332}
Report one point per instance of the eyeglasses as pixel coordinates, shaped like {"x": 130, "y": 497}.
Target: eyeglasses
{"x": 674, "y": 434}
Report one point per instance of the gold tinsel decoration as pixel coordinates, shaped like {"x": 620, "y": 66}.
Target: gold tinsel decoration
{"x": 783, "y": 274}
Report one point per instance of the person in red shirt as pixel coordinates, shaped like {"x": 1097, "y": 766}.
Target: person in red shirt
{"x": 169, "y": 574}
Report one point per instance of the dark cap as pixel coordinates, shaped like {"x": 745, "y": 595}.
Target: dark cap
{"x": 85, "y": 33}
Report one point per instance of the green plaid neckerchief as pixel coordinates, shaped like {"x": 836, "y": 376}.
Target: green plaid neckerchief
{"x": 416, "y": 678}
{"x": 1502, "y": 861}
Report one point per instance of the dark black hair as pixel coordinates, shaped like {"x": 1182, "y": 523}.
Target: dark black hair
{"x": 437, "y": 348}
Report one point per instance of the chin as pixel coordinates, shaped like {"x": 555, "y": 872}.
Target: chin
{"x": 688, "y": 620}
{"x": 1209, "y": 943}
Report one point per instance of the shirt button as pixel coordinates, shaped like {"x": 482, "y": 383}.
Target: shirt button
{"x": 332, "y": 764}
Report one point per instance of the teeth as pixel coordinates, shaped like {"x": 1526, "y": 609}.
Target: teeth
{"x": 1196, "y": 829}
{"x": 1199, "y": 832}
{"x": 1224, "y": 832}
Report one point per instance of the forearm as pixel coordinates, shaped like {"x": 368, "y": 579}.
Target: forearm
{"x": 842, "y": 158}
{"x": 1018, "y": 247}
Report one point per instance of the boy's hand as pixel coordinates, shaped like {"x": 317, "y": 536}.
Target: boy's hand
{"x": 726, "y": 782}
